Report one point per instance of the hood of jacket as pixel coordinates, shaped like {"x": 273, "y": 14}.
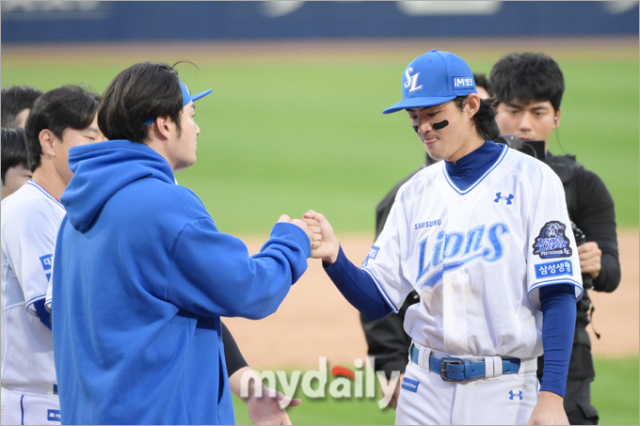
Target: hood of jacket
{"x": 102, "y": 169}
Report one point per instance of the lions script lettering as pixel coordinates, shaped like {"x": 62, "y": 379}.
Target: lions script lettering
{"x": 450, "y": 251}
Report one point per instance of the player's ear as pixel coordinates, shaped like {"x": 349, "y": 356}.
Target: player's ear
{"x": 47, "y": 139}
{"x": 472, "y": 104}
{"x": 162, "y": 127}
{"x": 556, "y": 119}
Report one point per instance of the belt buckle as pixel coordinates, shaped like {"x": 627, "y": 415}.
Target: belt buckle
{"x": 443, "y": 368}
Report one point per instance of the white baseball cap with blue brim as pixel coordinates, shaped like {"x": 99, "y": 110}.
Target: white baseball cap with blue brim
{"x": 433, "y": 79}
{"x": 186, "y": 98}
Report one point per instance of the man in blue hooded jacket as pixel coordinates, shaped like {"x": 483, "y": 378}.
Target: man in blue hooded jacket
{"x": 142, "y": 275}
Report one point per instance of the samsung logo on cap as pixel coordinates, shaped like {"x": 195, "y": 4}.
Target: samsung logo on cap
{"x": 463, "y": 82}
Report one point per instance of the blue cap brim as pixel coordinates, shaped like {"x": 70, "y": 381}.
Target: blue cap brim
{"x": 201, "y": 95}
{"x": 417, "y": 103}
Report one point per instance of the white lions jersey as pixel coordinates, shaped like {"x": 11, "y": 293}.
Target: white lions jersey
{"x": 477, "y": 257}
{"x": 30, "y": 220}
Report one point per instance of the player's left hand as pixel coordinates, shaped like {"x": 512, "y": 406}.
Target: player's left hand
{"x": 590, "y": 257}
{"x": 268, "y": 410}
{"x": 549, "y": 410}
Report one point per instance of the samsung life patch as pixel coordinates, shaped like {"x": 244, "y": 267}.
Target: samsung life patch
{"x": 553, "y": 269}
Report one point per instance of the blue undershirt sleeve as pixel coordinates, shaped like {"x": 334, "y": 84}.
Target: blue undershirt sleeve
{"x": 358, "y": 288}
{"x": 558, "y": 325}
{"x": 43, "y": 314}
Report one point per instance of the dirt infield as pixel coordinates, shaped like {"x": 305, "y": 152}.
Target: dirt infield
{"x": 315, "y": 320}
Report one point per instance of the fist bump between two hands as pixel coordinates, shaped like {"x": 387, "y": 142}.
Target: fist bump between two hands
{"x": 324, "y": 244}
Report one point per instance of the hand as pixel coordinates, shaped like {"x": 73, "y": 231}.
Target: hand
{"x": 269, "y": 408}
{"x": 549, "y": 410}
{"x": 590, "y": 256}
{"x": 329, "y": 246}
{"x": 315, "y": 239}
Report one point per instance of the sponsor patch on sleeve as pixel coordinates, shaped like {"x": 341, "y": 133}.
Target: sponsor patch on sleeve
{"x": 47, "y": 261}
{"x": 373, "y": 252}
{"x": 553, "y": 269}
{"x": 552, "y": 241}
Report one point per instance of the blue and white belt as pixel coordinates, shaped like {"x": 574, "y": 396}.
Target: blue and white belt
{"x": 453, "y": 369}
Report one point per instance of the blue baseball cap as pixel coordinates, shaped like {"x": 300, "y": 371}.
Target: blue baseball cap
{"x": 186, "y": 98}
{"x": 432, "y": 79}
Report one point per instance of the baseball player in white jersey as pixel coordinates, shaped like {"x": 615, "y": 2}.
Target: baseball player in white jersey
{"x": 484, "y": 238}
{"x": 30, "y": 220}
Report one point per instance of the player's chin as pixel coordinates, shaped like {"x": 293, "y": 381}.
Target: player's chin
{"x": 187, "y": 162}
{"x": 434, "y": 153}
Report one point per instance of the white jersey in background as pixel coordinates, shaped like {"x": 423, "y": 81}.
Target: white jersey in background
{"x": 477, "y": 257}
{"x": 30, "y": 218}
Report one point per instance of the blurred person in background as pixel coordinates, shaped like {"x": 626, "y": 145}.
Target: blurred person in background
{"x": 15, "y": 162}
{"x": 386, "y": 339}
{"x": 59, "y": 120}
{"x": 528, "y": 88}
{"x": 16, "y": 102}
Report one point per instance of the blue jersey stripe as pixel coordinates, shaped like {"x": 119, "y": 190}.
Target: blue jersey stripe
{"x": 557, "y": 281}
{"x": 30, "y": 303}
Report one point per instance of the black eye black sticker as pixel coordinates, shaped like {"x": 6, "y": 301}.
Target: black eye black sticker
{"x": 552, "y": 241}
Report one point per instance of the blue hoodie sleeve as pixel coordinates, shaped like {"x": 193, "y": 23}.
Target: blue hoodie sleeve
{"x": 212, "y": 274}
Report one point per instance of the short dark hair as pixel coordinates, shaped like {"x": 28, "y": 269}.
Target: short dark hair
{"x": 14, "y": 99}
{"x": 69, "y": 106}
{"x": 139, "y": 93}
{"x": 528, "y": 77}
{"x": 14, "y": 149}
{"x": 481, "y": 81}
{"x": 484, "y": 119}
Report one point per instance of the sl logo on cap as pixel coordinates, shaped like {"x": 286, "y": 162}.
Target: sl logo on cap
{"x": 412, "y": 80}
{"x": 462, "y": 82}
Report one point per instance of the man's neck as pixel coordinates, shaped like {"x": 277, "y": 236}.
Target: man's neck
{"x": 474, "y": 142}
{"x": 47, "y": 177}
{"x": 160, "y": 147}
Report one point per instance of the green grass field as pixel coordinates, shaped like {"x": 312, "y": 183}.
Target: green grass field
{"x": 614, "y": 394}
{"x": 285, "y": 135}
